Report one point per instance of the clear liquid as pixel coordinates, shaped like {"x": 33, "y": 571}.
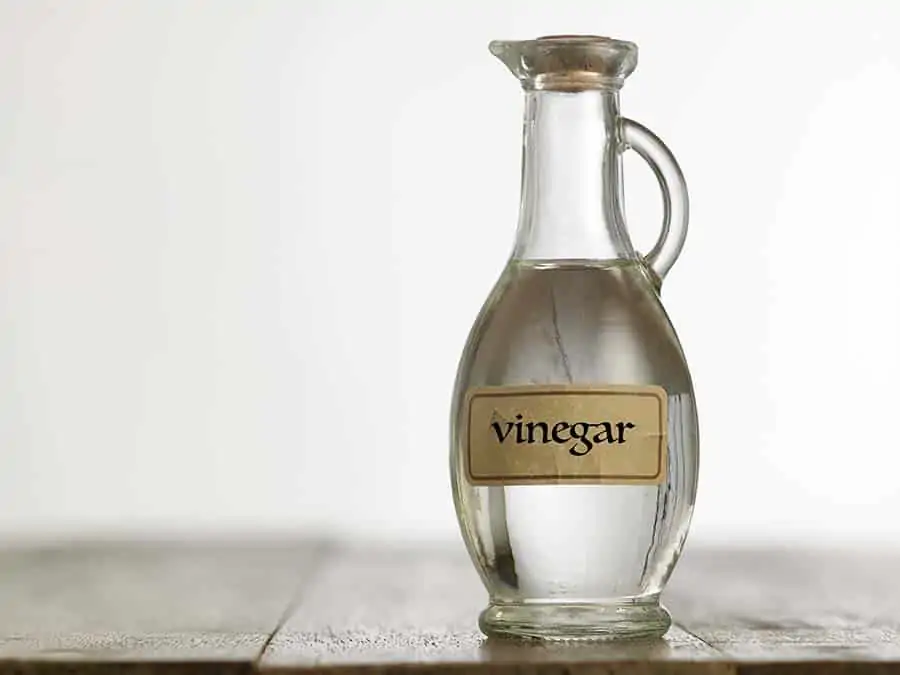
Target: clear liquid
{"x": 552, "y": 322}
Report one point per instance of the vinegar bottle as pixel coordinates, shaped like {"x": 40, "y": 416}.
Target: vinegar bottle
{"x": 574, "y": 448}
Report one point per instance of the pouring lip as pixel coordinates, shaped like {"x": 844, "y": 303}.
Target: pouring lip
{"x": 593, "y": 60}
{"x": 571, "y": 40}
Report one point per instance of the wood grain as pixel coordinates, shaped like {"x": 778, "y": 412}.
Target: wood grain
{"x": 166, "y": 602}
{"x": 365, "y": 608}
{"x": 790, "y": 603}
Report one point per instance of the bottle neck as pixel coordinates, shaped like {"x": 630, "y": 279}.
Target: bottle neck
{"x": 571, "y": 201}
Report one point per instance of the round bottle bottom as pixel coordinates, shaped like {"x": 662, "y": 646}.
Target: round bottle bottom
{"x": 613, "y": 621}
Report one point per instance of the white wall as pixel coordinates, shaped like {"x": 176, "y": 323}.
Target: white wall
{"x": 242, "y": 242}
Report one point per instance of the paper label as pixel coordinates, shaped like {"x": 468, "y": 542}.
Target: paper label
{"x": 551, "y": 434}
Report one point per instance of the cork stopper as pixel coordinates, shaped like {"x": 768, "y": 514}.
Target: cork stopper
{"x": 568, "y": 62}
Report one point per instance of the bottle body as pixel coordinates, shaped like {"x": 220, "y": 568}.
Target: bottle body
{"x": 576, "y": 560}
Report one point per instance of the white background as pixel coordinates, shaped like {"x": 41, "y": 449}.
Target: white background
{"x": 242, "y": 243}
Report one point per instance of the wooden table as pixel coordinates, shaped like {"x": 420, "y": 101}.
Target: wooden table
{"x": 308, "y": 607}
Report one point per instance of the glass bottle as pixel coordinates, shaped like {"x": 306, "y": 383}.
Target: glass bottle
{"x": 574, "y": 444}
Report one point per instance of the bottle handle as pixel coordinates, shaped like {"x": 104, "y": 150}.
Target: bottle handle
{"x": 674, "y": 191}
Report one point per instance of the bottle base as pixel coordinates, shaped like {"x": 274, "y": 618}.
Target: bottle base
{"x": 625, "y": 621}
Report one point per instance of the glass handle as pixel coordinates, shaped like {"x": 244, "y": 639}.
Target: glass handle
{"x": 674, "y": 190}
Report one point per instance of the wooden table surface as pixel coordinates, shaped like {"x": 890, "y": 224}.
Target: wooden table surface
{"x": 320, "y": 607}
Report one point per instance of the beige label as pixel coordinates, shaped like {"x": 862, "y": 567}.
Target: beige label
{"x": 566, "y": 434}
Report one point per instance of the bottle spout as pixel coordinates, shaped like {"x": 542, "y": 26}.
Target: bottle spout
{"x": 568, "y": 62}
